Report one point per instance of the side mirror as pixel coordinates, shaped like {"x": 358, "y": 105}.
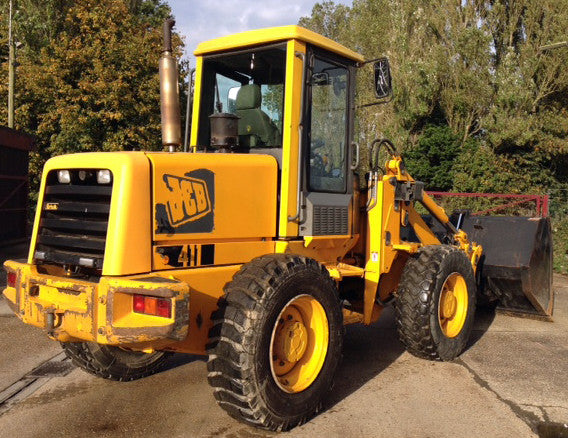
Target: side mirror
{"x": 320, "y": 78}
{"x": 383, "y": 84}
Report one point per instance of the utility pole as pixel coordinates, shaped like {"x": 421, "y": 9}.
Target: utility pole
{"x": 11, "y": 72}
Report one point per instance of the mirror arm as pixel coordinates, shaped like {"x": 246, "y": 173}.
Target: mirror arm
{"x": 379, "y": 102}
{"x": 361, "y": 64}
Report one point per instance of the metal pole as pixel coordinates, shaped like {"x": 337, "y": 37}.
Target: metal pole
{"x": 11, "y": 73}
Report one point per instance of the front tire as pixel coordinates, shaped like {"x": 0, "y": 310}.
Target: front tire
{"x": 275, "y": 342}
{"x": 114, "y": 363}
{"x": 435, "y": 304}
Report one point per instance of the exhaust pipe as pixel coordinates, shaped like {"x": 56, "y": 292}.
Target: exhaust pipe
{"x": 169, "y": 93}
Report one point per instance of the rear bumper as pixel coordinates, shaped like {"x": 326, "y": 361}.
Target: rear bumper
{"x": 72, "y": 310}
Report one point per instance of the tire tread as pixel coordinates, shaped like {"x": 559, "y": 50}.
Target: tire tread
{"x": 231, "y": 344}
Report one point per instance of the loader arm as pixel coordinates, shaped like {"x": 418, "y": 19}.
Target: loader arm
{"x": 395, "y": 229}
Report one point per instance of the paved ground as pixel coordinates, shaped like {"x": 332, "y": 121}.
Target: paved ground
{"x": 511, "y": 379}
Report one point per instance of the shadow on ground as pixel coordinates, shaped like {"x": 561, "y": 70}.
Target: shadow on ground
{"x": 178, "y": 360}
{"x": 367, "y": 351}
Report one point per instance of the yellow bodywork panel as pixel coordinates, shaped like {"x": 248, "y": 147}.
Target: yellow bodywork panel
{"x": 75, "y": 310}
{"x": 291, "y": 140}
{"x": 68, "y": 302}
{"x": 200, "y": 255}
{"x": 131, "y": 186}
{"x": 328, "y": 250}
{"x": 206, "y": 287}
{"x": 272, "y": 35}
{"x": 213, "y": 196}
{"x": 374, "y": 248}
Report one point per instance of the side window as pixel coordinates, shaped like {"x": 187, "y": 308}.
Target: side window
{"x": 250, "y": 85}
{"x": 328, "y": 127}
{"x": 273, "y": 102}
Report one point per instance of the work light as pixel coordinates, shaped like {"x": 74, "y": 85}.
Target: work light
{"x": 63, "y": 176}
{"x": 104, "y": 176}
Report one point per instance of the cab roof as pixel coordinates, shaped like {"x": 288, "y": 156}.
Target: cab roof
{"x": 272, "y": 35}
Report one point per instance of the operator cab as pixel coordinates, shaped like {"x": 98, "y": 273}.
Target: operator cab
{"x": 291, "y": 93}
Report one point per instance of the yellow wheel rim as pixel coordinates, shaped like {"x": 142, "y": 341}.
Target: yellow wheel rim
{"x": 452, "y": 308}
{"x": 299, "y": 343}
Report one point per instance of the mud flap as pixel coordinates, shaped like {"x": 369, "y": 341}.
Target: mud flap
{"x": 516, "y": 267}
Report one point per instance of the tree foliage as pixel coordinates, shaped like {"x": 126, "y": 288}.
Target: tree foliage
{"x": 477, "y": 105}
{"x": 474, "y": 66}
{"x": 432, "y": 158}
{"x": 87, "y": 78}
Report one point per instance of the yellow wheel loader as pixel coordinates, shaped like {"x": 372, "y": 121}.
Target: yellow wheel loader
{"x": 258, "y": 246}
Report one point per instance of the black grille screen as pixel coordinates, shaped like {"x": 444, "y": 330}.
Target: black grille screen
{"x": 330, "y": 220}
{"x": 74, "y": 220}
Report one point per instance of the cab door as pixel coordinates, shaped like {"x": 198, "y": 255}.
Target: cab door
{"x": 327, "y": 187}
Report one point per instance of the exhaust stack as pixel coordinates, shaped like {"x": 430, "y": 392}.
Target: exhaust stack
{"x": 169, "y": 93}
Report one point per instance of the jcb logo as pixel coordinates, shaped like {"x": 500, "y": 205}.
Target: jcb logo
{"x": 187, "y": 199}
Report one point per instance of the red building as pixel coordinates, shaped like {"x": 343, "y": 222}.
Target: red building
{"x": 14, "y": 158}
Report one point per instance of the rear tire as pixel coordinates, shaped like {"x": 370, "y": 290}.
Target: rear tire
{"x": 435, "y": 305}
{"x": 275, "y": 342}
{"x": 114, "y": 363}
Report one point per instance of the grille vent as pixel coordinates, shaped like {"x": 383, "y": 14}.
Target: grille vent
{"x": 330, "y": 220}
{"x": 74, "y": 220}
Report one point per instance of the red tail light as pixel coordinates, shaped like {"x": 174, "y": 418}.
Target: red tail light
{"x": 12, "y": 277}
{"x": 152, "y": 306}
{"x": 164, "y": 308}
{"x": 138, "y": 303}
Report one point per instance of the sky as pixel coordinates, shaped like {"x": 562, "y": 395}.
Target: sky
{"x": 202, "y": 20}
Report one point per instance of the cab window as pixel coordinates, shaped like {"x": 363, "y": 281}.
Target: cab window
{"x": 249, "y": 84}
{"x": 327, "y": 136}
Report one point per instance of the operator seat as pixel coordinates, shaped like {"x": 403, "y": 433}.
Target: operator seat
{"x": 256, "y": 129}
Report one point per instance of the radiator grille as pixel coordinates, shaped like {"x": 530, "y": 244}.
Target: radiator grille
{"x": 330, "y": 220}
{"x": 74, "y": 220}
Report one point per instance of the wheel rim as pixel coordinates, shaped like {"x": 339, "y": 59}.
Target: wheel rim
{"x": 299, "y": 344}
{"x": 452, "y": 308}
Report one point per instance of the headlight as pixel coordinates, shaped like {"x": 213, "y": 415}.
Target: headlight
{"x": 63, "y": 176}
{"x": 104, "y": 176}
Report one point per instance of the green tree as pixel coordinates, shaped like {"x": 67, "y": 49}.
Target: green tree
{"x": 471, "y": 65}
{"x": 432, "y": 160}
{"x": 88, "y": 79}
{"x": 328, "y": 19}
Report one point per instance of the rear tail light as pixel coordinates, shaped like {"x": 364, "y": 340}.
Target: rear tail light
{"x": 138, "y": 304}
{"x": 11, "y": 279}
{"x": 152, "y": 306}
{"x": 164, "y": 308}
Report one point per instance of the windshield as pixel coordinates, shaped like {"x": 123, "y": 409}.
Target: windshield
{"x": 250, "y": 85}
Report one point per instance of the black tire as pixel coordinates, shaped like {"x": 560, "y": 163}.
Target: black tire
{"x": 240, "y": 361}
{"x": 114, "y": 363}
{"x": 418, "y": 302}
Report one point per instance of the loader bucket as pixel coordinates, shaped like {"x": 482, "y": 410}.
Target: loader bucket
{"x": 516, "y": 266}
